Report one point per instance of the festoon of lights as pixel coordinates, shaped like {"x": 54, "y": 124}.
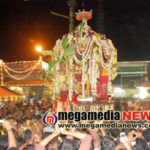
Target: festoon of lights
{"x": 17, "y": 74}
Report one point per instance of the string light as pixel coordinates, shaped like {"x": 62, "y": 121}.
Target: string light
{"x": 28, "y": 72}
{"x": 20, "y": 72}
{"x": 18, "y": 78}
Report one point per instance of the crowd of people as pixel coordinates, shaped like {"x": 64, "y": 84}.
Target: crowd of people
{"x": 22, "y": 129}
{"x": 132, "y": 105}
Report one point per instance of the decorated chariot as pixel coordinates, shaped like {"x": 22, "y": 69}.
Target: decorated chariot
{"x": 84, "y": 64}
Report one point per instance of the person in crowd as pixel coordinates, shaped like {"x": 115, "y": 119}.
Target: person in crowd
{"x": 22, "y": 129}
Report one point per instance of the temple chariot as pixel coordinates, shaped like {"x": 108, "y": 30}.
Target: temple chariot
{"x": 84, "y": 65}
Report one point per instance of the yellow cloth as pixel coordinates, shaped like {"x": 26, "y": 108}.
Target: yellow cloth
{"x": 104, "y": 73}
{"x": 87, "y": 87}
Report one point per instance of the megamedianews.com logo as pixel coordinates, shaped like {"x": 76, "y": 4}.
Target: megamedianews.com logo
{"x": 49, "y": 119}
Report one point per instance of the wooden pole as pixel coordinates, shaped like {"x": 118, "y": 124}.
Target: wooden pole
{"x": 71, "y": 4}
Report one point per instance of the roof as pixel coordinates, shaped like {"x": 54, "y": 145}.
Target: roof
{"x": 28, "y": 83}
{"x": 4, "y": 92}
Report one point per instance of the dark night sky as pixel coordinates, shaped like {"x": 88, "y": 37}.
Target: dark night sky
{"x": 25, "y": 23}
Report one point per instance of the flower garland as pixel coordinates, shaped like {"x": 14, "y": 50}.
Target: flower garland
{"x": 109, "y": 62}
{"x": 84, "y": 43}
{"x": 92, "y": 75}
{"x": 110, "y": 75}
{"x": 58, "y": 49}
{"x": 86, "y": 57}
{"x": 105, "y": 64}
{"x": 83, "y": 80}
{"x": 70, "y": 78}
{"x": 98, "y": 43}
{"x": 86, "y": 46}
{"x": 106, "y": 48}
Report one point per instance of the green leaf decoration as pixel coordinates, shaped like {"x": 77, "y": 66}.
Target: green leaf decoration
{"x": 51, "y": 65}
{"x": 51, "y": 53}
{"x": 60, "y": 60}
{"x": 63, "y": 60}
{"x": 70, "y": 50}
{"x": 64, "y": 43}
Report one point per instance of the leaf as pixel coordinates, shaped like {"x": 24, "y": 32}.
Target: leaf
{"x": 64, "y": 43}
{"x": 50, "y": 53}
{"x": 70, "y": 50}
{"x": 51, "y": 65}
{"x": 64, "y": 59}
{"x": 61, "y": 60}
